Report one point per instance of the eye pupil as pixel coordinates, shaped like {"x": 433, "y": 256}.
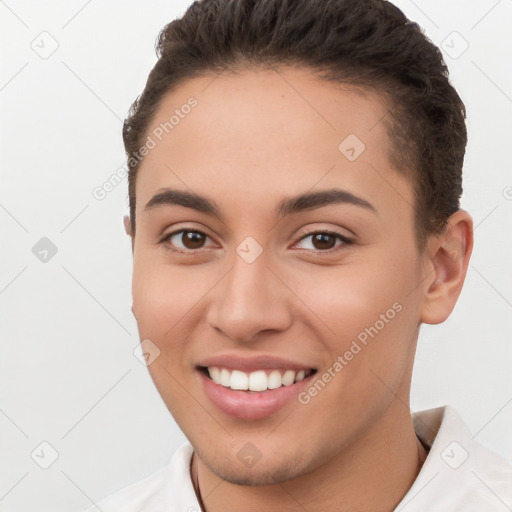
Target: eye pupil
{"x": 326, "y": 240}
{"x": 192, "y": 239}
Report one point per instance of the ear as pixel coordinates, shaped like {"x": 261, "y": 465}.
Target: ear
{"x": 448, "y": 260}
{"x": 128, "y": 227}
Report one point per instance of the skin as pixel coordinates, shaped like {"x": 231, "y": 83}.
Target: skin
{"x": 252, "y": 140}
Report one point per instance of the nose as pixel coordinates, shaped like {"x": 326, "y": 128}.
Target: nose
{"x": 249, "y": 300}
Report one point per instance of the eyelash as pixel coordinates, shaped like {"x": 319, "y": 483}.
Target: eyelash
{"x": 190, "y": 252}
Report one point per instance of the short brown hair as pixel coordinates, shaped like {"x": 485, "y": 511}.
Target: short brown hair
{"x": 363, "y": 43}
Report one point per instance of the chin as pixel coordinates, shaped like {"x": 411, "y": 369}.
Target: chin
{"x": 256, "y": 477}
{"x": 262, "y": 473}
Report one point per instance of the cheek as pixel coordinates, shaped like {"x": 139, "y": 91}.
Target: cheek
{"x": 164, "y": 295}
{"x": 367, "y": 314}
{"x": 162, "y": 298}
{"x": 348, "y": 299}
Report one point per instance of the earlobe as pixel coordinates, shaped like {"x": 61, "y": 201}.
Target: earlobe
{"x": 449, "y": 255}
{"x": 128, "y": 229}
{"x": 127, "y": 225}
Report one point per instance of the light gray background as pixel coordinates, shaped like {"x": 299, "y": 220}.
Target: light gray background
{"x": 68, "y": 373}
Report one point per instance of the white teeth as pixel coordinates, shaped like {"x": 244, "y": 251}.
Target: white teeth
{"x": 225, "y": 377}
{"x": 214, "y": 374}
{"x": 258, "y": 381}
{"x": 239, "y": 380}
{"x": 254, "y": 381}
{"x": 288, "y": 377}
{"x": 274, "y": 380}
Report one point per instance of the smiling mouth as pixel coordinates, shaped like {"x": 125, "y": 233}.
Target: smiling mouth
{"x": 259, "y": 380}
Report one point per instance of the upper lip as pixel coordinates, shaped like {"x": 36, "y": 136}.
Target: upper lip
{"x": 254, "y": 363}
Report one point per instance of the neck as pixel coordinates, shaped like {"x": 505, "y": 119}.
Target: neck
{"x": 374, "y": 473}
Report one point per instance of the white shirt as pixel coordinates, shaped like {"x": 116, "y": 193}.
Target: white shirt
{"x": 458, "y": 475}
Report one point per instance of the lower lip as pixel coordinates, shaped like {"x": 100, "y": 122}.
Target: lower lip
{"x": 250, "y": 405}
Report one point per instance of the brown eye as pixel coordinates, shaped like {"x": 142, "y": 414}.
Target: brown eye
{"x": 192, "y": 239}
{"x": 323, "y": 241}
{"x": 186, "y": 240}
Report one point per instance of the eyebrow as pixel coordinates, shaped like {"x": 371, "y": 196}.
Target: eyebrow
{"x": 287, "y": 206}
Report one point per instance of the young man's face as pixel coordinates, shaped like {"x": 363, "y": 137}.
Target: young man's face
{"x": 260, "y": 292}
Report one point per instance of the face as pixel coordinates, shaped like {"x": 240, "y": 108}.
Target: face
{"x": 275, "y": 249}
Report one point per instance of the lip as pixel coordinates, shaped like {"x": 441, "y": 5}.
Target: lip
{"x": 252, "y": 364}
{"x": 251, "y": 405}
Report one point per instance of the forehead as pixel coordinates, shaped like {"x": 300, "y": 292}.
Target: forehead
{"x": 265, "y": 133}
